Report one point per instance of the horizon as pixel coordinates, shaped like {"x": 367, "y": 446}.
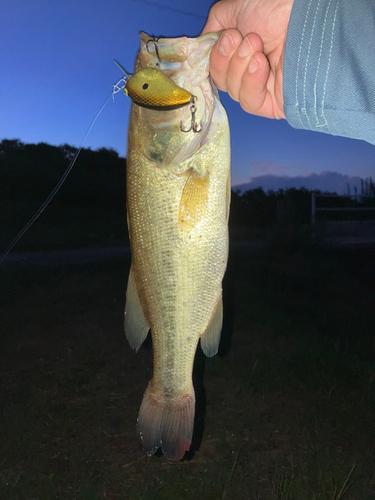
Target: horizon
{"x": 326, "y": 181}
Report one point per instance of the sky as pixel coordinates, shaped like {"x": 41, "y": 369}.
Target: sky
{"x": 57, "y": 70}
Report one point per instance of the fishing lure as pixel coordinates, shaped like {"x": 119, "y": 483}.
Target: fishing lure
{"x": 150, "y": 88}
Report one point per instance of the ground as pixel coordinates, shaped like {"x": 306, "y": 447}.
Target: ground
{"x": 285, "y": 411}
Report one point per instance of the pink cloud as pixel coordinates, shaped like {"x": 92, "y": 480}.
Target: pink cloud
{"x": 256, "y": 165}
{"x": 269, "y": 167}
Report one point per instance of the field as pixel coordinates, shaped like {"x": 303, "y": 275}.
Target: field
{"x": 286, "y": 411}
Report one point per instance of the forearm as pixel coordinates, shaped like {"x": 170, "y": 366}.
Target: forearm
{"x": 329, "y": 67}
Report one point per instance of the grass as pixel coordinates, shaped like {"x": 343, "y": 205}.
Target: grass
{"x": 327, "y": 480}
{"x": 284, "y": 412}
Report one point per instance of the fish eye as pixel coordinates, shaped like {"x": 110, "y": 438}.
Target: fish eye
{"x": 145, "y": 86}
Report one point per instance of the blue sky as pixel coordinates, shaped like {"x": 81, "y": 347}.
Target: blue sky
{"x": 56, "y": 60}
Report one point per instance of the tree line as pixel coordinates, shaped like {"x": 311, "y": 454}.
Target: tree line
{"x": 90, "y": 208}
{"x": 31, "y": 171}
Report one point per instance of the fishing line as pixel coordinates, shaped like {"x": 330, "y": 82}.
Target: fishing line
{"x": 116, "y": 88}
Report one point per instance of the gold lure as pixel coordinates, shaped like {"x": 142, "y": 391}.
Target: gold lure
{"x": 150, "y": 88}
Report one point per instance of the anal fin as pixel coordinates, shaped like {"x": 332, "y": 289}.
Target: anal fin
{"x": 135, "y": 324}
{"x": 210, "y": 340}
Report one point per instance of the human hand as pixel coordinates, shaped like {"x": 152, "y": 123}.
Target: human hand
{"x": 247, "y": 60}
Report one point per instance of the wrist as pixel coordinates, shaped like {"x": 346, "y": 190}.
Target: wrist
{"x": 279, "y": 95}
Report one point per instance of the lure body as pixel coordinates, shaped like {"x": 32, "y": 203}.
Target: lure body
{"x": 152, "y": 89}
{"x": 178, "y": 191}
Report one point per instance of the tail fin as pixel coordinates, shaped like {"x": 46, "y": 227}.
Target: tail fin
{"x": 166, "y": 423}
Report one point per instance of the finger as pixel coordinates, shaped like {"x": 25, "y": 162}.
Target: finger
{"x": 240, "y": 61}
{"x": 221, "y": 55}
{"x": 254, "y": 96}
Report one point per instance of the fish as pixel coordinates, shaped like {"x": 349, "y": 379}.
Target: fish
{"x": 178, "y": 197}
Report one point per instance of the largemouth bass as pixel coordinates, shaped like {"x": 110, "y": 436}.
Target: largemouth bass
{"x": 178, "y": 194}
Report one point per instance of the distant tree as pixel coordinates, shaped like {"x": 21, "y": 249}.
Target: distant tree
{"x": 258, "y": 209}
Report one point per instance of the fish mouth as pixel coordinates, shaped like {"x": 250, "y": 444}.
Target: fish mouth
{"x": 174, "y": 50}
{"x": 185, "y": 61}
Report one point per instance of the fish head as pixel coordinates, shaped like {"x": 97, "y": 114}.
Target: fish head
{"x": 185, "y": 62}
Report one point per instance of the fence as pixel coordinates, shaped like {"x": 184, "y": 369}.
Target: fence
{"x": 357, "y": 198}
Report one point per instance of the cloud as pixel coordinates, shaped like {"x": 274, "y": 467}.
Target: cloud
{"x": 269, "y": 167}
{"x": 325, "y": 181}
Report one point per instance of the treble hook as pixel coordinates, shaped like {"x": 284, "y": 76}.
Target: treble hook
{"x": 154, "y": 40}
{"x": 194, "y": 126}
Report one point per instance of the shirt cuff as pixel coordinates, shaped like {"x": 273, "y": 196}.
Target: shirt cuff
{"x": 329, "y": 67}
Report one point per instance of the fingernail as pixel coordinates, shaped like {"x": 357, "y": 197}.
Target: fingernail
{"x": 245, "y": 48}
{"x": 253, "y": 65}
{"x": 225, "y": 44}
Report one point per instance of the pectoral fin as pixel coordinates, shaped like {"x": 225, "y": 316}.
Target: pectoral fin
{"x": 136, "y": 326}
{"x": 210, "y": 340}
{"x": 193, "y": 200}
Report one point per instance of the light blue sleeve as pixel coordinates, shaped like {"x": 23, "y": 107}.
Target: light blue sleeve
{"x": 329, "y": 67}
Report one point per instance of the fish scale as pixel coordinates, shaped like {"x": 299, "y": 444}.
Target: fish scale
{"x": 178, "y": 202}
